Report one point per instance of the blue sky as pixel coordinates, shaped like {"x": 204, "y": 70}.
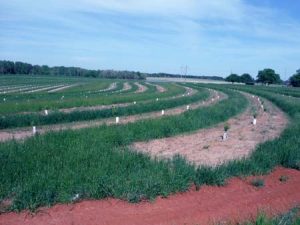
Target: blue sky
{"x": 212, "y": 37}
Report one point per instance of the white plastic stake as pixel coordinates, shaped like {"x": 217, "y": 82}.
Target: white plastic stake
{"x": 254, "y": 122}
{"x": 34, "y": 130}
{"x": 187, "y": 107}
{"x": 262, "y": 106}
{"x": 134, "y": 102}
{"x": 224, "y": 136}
{"x": 117, "y": 119}
{"x": 4, "y": 99}
{"x": 162, "y": 112}
{"x": 46, "y": 112}
{"x": 156, "y": 99}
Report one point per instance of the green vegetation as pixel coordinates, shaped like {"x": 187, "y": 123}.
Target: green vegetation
{"x": 244, "y": 78}
{"x": 76, "y": 96}
{"x": 295, "y": 79}
{"x": 98, "y": 162}
{"x": 257, "y": 182}
{"x": 9, "y": 67}
{"x": 19, "y": 120}
{"x": 289, "y": 218}
{"x": 268, "y": 76}
{"x": 95, "y": 164}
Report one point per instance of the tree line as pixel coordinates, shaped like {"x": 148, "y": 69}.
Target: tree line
{"x": 10, "y": 67}
{"x": 266, "y": 76}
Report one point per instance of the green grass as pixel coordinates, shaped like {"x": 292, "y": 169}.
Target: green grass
{"x": 20, "y": 120}
{"x": 95, "y": 162}
{"x": 290, "y": 218}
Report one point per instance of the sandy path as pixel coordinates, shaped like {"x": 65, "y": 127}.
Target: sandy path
{"x": 44, "y": 89}
{"x": 141, "y": 88}
{"x": 27, "y": 132}
{"x": 189, "y": 91}
{"x": 235, "y": 202}
{"x": 111, "y": 87}
{"x": 62, "y": 88}
{"x": 159, "y": 88}
{"x": 126, "y": 87}
{"x": 206, "y": 147}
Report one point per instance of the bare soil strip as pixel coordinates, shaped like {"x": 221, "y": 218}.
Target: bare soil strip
{"x": 141, "y": 88}
{"x": 126, "y": 87}
{"x": 159, "y": 88}
{"x": 27, "y": 132}
{"x": 62, "y": 88}
{"x": 45, "y": 88}
{"x": 206, "y": 147}
{"x": 111, "y": 87}
{"x": 237, "y": 201}
{"x": 189, "y": 92}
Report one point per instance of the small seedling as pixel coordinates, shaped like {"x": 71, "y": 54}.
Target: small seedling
{"x": 206, "y": 147}
{"x": 226, "y": 127}
{"x": 257, "y": 182}
{"x": 283, "y": 178}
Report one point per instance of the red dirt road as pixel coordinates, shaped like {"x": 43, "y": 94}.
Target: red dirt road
{"x": 237, "y": 201}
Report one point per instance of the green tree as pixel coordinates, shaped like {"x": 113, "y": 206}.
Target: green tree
{"x": 233, "y": 78}
{"x": 246, "y": 78}
{"x": 295, "y": 79}
{"x": 268, "y": 76}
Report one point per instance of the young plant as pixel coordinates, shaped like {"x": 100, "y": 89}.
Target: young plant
{"x": 258, "y": 182}
{"x": 226, "y": 128}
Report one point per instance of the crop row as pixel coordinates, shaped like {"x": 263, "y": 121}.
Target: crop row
{"x": 94, "y": 163}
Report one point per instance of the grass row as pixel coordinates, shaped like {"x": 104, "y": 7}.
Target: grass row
{"x": 95, "y": 163}
{"x": 21, "y": 120}
{"x": 55, "y": 100}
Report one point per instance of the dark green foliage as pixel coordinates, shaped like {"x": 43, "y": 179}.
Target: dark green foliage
{"x": 268, "y": 76}
{"x": 295, "y": 79}
{"x": 233, "y": 78}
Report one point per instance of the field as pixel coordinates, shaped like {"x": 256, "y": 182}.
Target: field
{"x": 94, "y": 142}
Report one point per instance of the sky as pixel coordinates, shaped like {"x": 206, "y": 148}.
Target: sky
{"x": 213, "y": 38}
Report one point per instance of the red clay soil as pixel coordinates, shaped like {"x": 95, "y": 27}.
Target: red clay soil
{"x": 237, "y": 201}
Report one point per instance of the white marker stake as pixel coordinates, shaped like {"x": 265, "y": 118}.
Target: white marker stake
{"x": 162, "y": 112}
{"x": 34, "y": 130}
{"x": 262, "y": 106}
{"x": 254, "y": 122}
{"x": 156, "y": 99}
{"x": 46, "y": 112}
{"x": 117, "y": 119}
{"x": 224, "y": 136}
{"x": 4, "y": 99}
{"x": 134, "y": 102}
{"x": 187, "y": 107}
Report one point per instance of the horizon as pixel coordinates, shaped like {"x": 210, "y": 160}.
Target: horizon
{"x": 213, "y": 38}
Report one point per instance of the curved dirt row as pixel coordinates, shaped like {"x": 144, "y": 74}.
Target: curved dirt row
{"x": 235, "y": 202}
{"x": 206, "y": 147}
{"x": 141, "y": 88}
{"x": 189, "y": 91}
{"x": 111, "y": 87}
{"x": 27, "y": 132}
{"x": 126, "y": 87}
{"x": 159, "y": 88}
{"x": 62, "y": 88}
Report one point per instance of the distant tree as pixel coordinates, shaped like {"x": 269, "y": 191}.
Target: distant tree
{"x": 7, "y": 67}
{"x": 295, "y": 79}
{"x": 233, "y": 78}
{"x": 246, "y": 78}
{"x": 268, "y": 76}
{"x": 22, "y": 68}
